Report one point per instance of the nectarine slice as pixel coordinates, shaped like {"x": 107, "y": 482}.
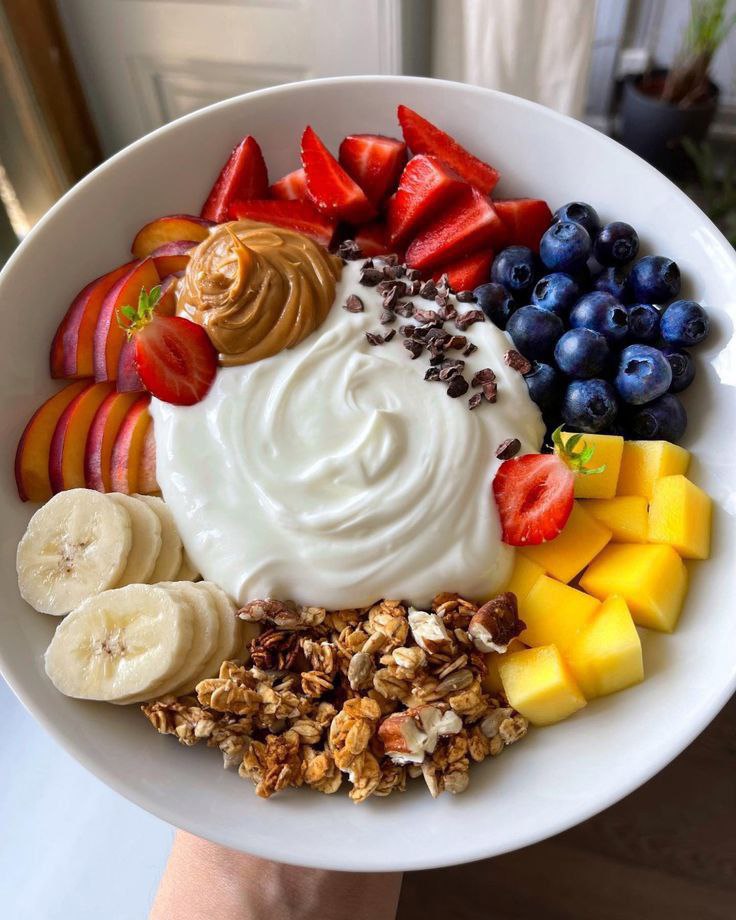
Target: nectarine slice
{"x": 102, "y": 434}
{"x": 69, "y": 441}
{"x": 32, "y": 455}
{"x": 169, "y": 229}
{"x": 147, "y": 482}
{"x": 172, "y": 257}
{"x": 127, "y": 451}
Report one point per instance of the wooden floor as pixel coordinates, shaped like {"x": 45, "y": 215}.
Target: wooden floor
{"x": 667, "y": 852}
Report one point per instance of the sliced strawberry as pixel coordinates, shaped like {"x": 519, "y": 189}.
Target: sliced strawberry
{"x": 534, "y": 495}
{"x": 467, "y": 273}
{"x": 372, "y": 239}
{"x": 470, "y": 223}
{"x": 422, "y": 136}
{"x": 375, "y": 162}
{"x": 243, "y": 176}
{"x": 330, "y": 187}
{"x": 425, "y": 186}
{"x": 291, "y": 187}
{"x": 525, "y": 219}
{"x": 294, "y": 215}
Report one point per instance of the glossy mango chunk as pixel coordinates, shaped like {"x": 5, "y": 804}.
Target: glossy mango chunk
{"x": 606, "y": 656}
{"x": 539, "y": 684}
{"x": 608, "y": 451}
{"x": 626, "y": 517}
{"x": 651, "y": 579}
{"x": 554, "y": 613}
{"x": 523, "y": 577}
{"x": 581, "y": 540}
{"x": 680, "y": 514}
{"x": 491, "y": 681}
{"x": 644, "y": 462}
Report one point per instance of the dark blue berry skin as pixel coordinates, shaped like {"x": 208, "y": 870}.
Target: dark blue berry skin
{"x": 516, "y": 268}
{"x": 602, "y": 313}
{"x": 616, "y": 244}
{"x": 684, "y": 323}
{"x": 535, "y": 332}
{"x": 545, "y": 386}
{"x": 589, "y": 405}
{"x": 582, "y": 353}
{"x": 579, "y": 213}
{"x": 613, "y": 281}
{"x": 565, "y": 247}
{"x": 655, "y": 279}
{"x": 644, "y": 374}
{"x": 683, "y": 368}
{"x": 496, "y": 302}
{"x": 643, "y": 322}
{"x": 556, "y": 292}
{"x": 663, "y": 420}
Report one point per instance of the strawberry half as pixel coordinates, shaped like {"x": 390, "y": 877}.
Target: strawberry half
{"x": 243, "y": 176}
{"x": 425, "y": 186}
{"x": 372, "y": 239}
{"x": 525, "y": 220}
{"x": 468, "y": 224}
{"x": 534, "y": 496}
{"x": 291, "y": 187}
{"x": 467, "y": 273}
{"x": 375, "y": 162}
{"x": 422, "y": 136}
{"x": 294, "y": 215}
{"x": 330, "y": 187}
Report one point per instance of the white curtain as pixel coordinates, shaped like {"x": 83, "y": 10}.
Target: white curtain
{"x": 538, "y": 49}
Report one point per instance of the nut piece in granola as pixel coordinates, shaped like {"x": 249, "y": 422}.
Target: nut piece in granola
{"x": 496, "y": 623}
{"x": 428, "y": 631}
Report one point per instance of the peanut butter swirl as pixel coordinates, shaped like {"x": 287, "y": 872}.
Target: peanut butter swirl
{"x": 258, "y": 289}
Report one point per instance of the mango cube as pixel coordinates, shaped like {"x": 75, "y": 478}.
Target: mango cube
{"x": 644, "y": 462}
{"x": 539, "y": 684}
{"x": 492, "y": 679}
{"x": 651, "y": 579}
{"x": 523, "y": 577}
{"x": 554, "y": 613}
{"x": 581, "y": 540}
{"x": 626, "y": 517}
{"x": 608, "y": 451}
{"x": 606, "y": 656}
{"x": 680, "y": 514}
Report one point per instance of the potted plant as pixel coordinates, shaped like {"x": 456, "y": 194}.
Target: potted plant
{"x": 661, "y": 107}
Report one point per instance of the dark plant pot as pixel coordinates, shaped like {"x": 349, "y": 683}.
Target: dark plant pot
{"x": 653, "y": 128}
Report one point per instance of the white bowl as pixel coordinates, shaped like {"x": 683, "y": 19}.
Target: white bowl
{"x": 559, "y": 775}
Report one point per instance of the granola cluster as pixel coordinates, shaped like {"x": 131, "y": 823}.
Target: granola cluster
{"x": 376, "y": 696}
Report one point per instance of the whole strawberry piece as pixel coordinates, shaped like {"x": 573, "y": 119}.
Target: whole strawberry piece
{"x": 174, "y": 357}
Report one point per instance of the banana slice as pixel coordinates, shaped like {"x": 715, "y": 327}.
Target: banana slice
{"x": 169, "y": 559}
{"x": 146, "y": 544}
{"x": 207, "y": 632}
{"x": 76, "y": 546}
{"x": 120, "y": 644}
{"x": 187, "y": 570}
{"x": 235, "y": 634}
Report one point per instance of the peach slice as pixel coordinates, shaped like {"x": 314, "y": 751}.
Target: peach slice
{"x": 166, "y": 305}
{"x": 127, "y": 451}
{"x": 109, "y": 335}
{"x": 147, "y": 482}
{"x": 102, "y": 434}
{"x": 172, "y": 257}
{"x": 72, "y": 346}
{"x": 32, "y": 455}
{"x": 169, "y": 229}
{"x": 69, "y": 441}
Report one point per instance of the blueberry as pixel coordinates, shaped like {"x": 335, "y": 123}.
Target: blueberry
{"x": 589, "y": 405}
{"x": 643, "y": 374}
{"x": 565, "y": 247}
{"x": 602, "y": 313}
{"x": 683, "y": 368}
{"x": 663, "y": 420}
{"x": 655, "y": 279}
{"x": 545, "y": 386}
{"x": 516, "y": 268}
{"x": 616, "y": 244}
{"x": 496, "y": 302}
{"x": 613, "y": 281}
{"x": 685, "y": 322}
{"x": 582, "y": 353}
{"x": 556, "y": 292}
{"x": 535, "y": 332}
{"x": 643, "y": 322}
{"x": 579, "y": 213}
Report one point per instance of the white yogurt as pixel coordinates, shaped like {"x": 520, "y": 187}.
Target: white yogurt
{"x": 334, "y": 474}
